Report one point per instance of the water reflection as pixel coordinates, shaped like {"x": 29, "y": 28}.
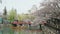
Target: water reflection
{"x": 8, "y": 30}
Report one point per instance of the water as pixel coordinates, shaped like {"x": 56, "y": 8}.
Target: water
{"x": 21, "y": 32}
{"x": 8, "y": 30}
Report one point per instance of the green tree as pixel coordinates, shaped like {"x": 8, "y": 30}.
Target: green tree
{"x": 22, "y": 17}
{"x": 12, "y": 14}
{"x": 25, "y": 16}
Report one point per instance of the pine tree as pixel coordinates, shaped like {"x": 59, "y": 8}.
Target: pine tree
{"x": 5, "y": 13}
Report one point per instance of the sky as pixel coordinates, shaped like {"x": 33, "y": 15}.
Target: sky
{"x": 22, "y": 6}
